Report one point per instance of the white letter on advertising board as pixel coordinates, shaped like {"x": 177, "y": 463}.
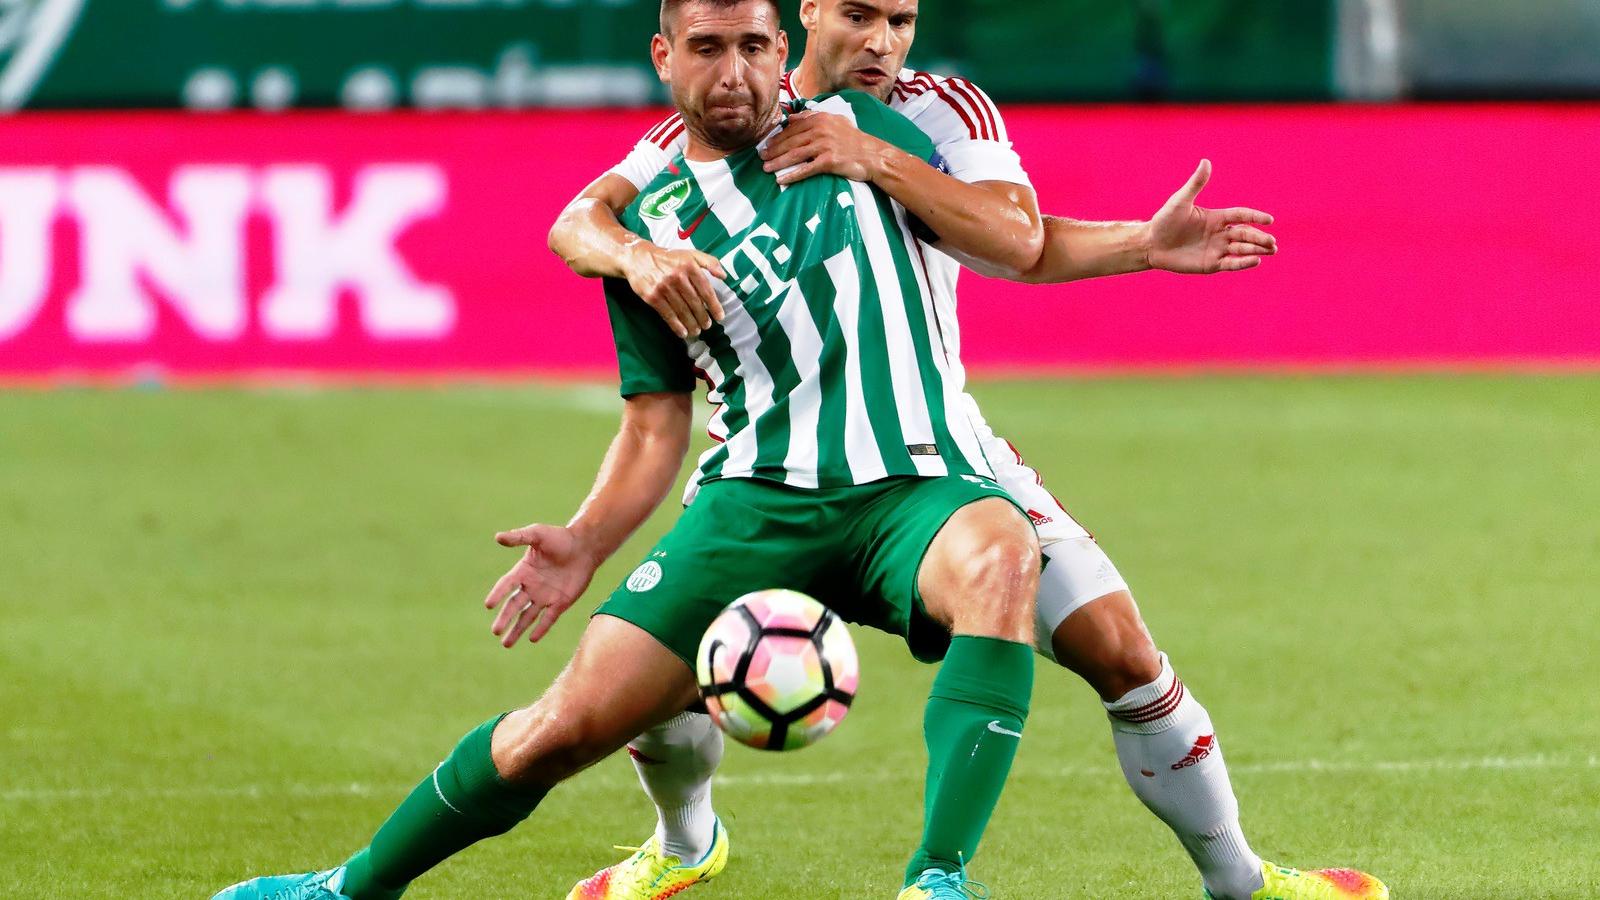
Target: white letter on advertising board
{"x": 126, "y": 236}
{"x": 27, "y": 206}
{"x": 319, "y": 255}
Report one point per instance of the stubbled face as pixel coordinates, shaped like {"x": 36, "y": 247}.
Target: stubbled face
{"x": 859, "y": 44}
{"x": 723, "y": 65}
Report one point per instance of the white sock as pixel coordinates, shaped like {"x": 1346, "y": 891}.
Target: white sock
{"x": 675, "y": 761}
{"x": 1170, "y": 756}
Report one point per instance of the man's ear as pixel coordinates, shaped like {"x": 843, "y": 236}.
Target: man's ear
{"x": 783, "y": 46}
{"x": 661, "y": 56}
{"x": 808, "y": 14}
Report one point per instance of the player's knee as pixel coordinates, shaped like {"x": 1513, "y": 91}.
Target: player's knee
{"x": 998, "y": 583}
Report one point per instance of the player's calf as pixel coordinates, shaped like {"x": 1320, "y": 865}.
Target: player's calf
{"x": 1105, "y": 642}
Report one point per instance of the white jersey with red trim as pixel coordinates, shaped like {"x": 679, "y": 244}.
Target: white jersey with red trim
{"x": 970, "y": 135}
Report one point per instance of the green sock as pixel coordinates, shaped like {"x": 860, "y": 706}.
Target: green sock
{"x": 972, "y": 725}
{"x": 464, "y": 801}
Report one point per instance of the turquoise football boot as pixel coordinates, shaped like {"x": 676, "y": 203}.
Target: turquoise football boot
{"x": 937, "y": 884}
{"x": 306, "y": 886}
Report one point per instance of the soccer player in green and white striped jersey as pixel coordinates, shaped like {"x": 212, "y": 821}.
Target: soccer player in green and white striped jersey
{"x": 828, "y": 367}
{"x": 846, "y": 472}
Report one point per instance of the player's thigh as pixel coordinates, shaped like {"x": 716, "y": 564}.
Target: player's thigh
{"x": 914, "y": 536}
{"x": 1076, "y": 574}
{"x": 620, "y": 681}
{"x": 739, "y": 536}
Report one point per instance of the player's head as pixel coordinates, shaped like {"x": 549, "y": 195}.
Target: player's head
{"x": 723, "y": 60}
{"x": 859, "y": 44}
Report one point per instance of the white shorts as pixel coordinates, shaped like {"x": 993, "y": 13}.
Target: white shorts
{"x": 1076, "y": 570}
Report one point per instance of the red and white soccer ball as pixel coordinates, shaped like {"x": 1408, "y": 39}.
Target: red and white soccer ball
{"x": 777, "y": 670}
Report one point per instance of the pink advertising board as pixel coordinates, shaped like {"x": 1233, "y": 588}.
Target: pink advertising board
{"x": 140, "y": 245}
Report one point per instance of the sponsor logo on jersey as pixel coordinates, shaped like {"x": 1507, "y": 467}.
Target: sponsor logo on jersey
{"x": 1202, "y": 748}
{"x": 922, "y": 449}
{"x": 665, "y": 201}
{"x": 1039, "y": 518}
{"x": 645, "y": 577}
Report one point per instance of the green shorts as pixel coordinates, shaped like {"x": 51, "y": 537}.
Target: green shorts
{"x": 857, "y": 549}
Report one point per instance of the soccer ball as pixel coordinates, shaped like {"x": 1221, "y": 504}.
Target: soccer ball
{"x": 778, "y": 670}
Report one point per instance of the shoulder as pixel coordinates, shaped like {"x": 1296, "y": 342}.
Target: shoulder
{"x": 665, "y": 133}
{"x": 947, "y": 106}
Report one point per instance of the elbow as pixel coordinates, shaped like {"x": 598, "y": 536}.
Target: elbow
{"x": 1024, "y": 249}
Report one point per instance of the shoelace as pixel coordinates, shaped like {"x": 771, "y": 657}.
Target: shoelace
{"x": 654, "y": 865}
{"x": 954, "y": 882}
{"x": 315, "y": 889}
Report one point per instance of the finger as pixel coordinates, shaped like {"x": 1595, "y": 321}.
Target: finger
{"x": 793, "y": 156}
{"x": 1240, "y": 248}
{"x": 1241, "y": 214}
{"x": 800, "y": 172}
{"x": 515, "y": 604}
{"x": 1197, "y": 182}
{"x": 661, "y": 302}
{"x": 501, "y": 590}
{"x": 705, "y": 297}
{"x": 1239, "y": 263}
{"x": 546, "y": 622}
{"x": 710, "y": 263}
{"x": 680, "y": 294}
{"x": 793, "y": 133}
{"x": 526, "y": 536}
{"x": 1251, "y": 236}
{"x": 529, "y": 615}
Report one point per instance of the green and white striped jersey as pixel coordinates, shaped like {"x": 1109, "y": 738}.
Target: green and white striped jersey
{"x": 829, "y": 368}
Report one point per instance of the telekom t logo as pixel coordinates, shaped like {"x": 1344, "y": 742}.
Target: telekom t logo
{"x": 192, "y": 250}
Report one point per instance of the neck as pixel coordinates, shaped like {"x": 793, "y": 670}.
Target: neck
{"x": 805, "y": 80}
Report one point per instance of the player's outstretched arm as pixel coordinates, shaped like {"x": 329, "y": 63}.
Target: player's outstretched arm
{"x": 559, "y": 562}
{"x": 1181, "y": 237}
{"x": 996, "y": 223}
{"x": 591, "y": 240}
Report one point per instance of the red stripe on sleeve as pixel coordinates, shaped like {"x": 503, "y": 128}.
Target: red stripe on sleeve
{"x": 970, "y": 91}
{"x": 972, "y": 127}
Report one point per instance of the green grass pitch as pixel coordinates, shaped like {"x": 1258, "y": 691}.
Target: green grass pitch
{"x": 236, "y": 626}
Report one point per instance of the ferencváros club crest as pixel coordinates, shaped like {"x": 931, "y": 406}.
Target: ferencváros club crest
{"x": 31, "y": 34}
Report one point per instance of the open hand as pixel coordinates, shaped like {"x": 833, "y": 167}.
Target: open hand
{"x": 1193, "y": 240}
{"x": 550, "y": 577}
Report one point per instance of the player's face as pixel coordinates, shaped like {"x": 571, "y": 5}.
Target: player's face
{"x": 723, "y": 65}
{"x": 860, "y": 44}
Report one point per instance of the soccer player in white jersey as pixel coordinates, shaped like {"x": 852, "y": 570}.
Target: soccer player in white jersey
{"x": 985, "y": 215}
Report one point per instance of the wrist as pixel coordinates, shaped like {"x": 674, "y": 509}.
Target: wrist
{"x": 1144, "y": 246}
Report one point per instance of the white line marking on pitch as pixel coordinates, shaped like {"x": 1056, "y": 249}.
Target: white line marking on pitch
{"x": 799, "y": 779}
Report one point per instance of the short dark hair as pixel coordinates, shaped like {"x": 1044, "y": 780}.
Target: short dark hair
{"x": 669, "y": 10}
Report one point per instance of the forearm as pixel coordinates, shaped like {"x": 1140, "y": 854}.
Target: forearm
{"x": 1075, "y": 250}
{"x": 590, "y": 240}
{"x": 1000, "y": 231}
{"x": 639, "y": 469}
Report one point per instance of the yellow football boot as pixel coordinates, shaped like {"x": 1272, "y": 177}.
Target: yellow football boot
{"x": 650, "y": 875}
{"x": 1284, "y": 883}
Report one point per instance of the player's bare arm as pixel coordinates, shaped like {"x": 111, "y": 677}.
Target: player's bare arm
{"x": 639, "y": 469}
{"x": 675, "y": 283}
{"x": 992, "y": 221}
{"x": 1181, "y": 237}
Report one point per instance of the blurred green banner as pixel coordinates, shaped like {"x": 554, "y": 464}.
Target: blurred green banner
{"x": 485, "y": 54}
